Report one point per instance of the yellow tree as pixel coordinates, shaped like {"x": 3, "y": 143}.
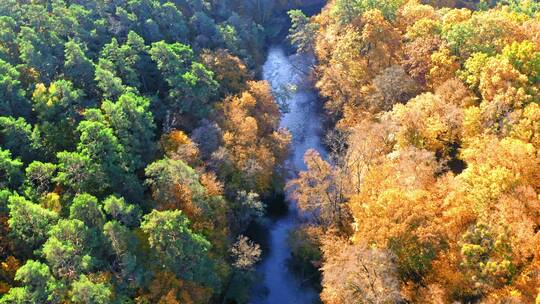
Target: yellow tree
{"x": 527, "y": 128}
{"x": 321, "y": 190}
{"x": 357, "y": 274}
{"x": 492, "y": 212}
{"x": 229, "y": 71}
{"x": 252, "y": 138}
{"x": 428, "y": 122}
{"x": 398, "y": 209}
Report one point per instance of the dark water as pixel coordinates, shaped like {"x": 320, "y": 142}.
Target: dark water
{"x": 279, "y": 284}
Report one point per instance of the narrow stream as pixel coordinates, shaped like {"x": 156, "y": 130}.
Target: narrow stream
{"x": 279, "y": 285}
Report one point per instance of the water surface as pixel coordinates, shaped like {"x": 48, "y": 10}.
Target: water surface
{"x": 279, "y": 284}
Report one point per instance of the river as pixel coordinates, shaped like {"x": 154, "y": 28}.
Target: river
{"x": 279, "y": 285}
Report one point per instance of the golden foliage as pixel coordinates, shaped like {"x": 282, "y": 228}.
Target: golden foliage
{"x": 211, "y": 184}
{"x": 354, "y": 274}
{"x": 8, "y": 268}
{"x": 252, "y": 136}
{"x": 177, "y": 145}
{"x": 443, "y": 66}
{"x": 427, "y": 122}
{"x": 231, "y": 73}
{"x": 320, "y": 190}
{"x": 51, "y": 201}
{"x": 446, "y": 183}
{"x": 166, "y": 288}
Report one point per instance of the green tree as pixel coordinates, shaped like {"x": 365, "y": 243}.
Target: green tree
{"x": 29, "y": 223}
{"x": 123, "y": 244}
{"x": 87, "y": 209}
{"x": 127, "y": 214}
{"x": 528, "y": 7}
{"x": 12, "y": 99}
{"x": 172, "y": 23}
{"x": 206, "y": 29}
{"x": 85, "y": 291}
{"x": 77, "y": 67}
{"x": 8, "y": 36}
{"x": 79, "y": 173}
{"x": 16, "y": 136}
{"x": 39, "y": 286}
{"x": 108, "y": 82}
{"x": 525, "y": 59}
{"x": 58, "y": 108}
{"x": 39, "y": 179}
{"x": 133, "y": 124}
{"x": 178, "y": 248}
{"x": 128, "y": 61}
{"x": 302, "y": 33}
{"x": 191, "y": 85}
{"x": 347, "y": 10}
{"x": 10, "y": 170}
{"x": 101, "y": 146}
{"x": 40, "y": 51}
{"x": 167, "y": 175}
{"x": 68, "y": 249}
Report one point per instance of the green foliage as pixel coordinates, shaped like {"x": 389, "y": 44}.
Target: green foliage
{"x": 206, "y": 29}
{"x": 484, "y": 32}
{"x": 172, "y": 23}
{"x": 487, "y": 257}
{"x": 29, "y": 223}
{"x": 39, "y": 285}
{"x": 58, "y": 108}
{"x": 16, "y": 136}
{"x": 40, "y": 51}
{"x": 163, "y": 177}
{"x": 178, "y": 248}
{"x": 5, "y": 194}
{"x": 39, "y": 179}
{"x": 413, "y": 258}
{"x": 104, "y": 152}
{"x": 133, "y": 125}
{"x": 110, "y": 85}
{"x": 524, "y": 57}
{"x": 129, "y": 62}
{"x": 458, "y": 36}
{"x": 10, "y": 170}
{"x": 8, "y": 35}
{"x": 77, "y": 67}
{"x": 68, "y": 249}
{"x": 12, "y": 99}
{"x": 87, "y": 209}
{"x": 80, "y": 174}
{"x": 302, "y": 32}
{"x": 191, "y": 85}
{"x": 127, "y": 214}
{"x": 528, "y": 7}
{"x": 98, "y": 142}
{"x": 85, "y": 291}
{"x": 87, "y": 88}
{"x": 347, "y": 10}
{"x": 473, "y": 67}
{"x": 123, "y": 245}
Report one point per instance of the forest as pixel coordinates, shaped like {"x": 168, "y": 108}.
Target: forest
{"x": 431, "y": 193}
{"x": 139, "y": 143}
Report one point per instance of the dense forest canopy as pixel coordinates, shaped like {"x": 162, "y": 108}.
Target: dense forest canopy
{"x": 136, "y": 147}
{"x": 137, "y": 144}
{"x": 432, "y": 192}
